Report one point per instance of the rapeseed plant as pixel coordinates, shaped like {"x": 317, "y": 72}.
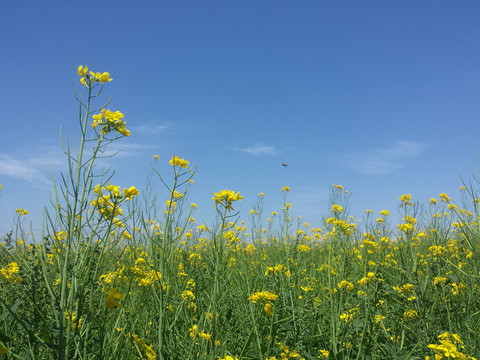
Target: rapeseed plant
{"x": 114, "y": 278}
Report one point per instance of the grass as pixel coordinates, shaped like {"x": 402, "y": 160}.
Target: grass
{"x": 117, "y": 278}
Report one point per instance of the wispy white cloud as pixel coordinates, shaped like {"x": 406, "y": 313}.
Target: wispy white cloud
{"x": 384, "y": 161}
{"x": 150, "y": 128}
{"x": 35, "y": 170}
{"x": 258, "y": 149}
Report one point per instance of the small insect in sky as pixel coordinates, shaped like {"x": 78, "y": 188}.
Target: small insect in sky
{"x": 284, "y": 164}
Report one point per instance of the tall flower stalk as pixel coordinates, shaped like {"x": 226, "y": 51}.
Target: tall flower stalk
{"x": 67, "y": 228}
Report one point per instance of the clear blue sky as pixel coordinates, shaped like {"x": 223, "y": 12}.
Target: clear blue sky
{"x": 379, "y": 96}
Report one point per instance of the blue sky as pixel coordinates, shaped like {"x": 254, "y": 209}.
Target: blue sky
{"x": 379, "y": 96}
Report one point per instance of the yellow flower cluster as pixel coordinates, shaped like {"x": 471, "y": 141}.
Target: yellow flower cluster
{"x": 177, "y": 195}
{"x": 444, "y": 197}
{"x": 324, "y": 353}
{"x": 113, "y": 298}
{"x": 287, "y": 353}
{"x": 449, "y": 348}
{"x": 194, "y": 333}
{"x": 75, "y": 323}
{"x": 146, "y": 350}
{"x": 407, "y": 288}
{"x": 10, "y": 273}
{"x": 60, "y": 235}
{"x": 439, "y": 279}
{"x": 110, "y": 277}
{"x": 303, "y": 248}
{"x": 101, "y": 78}
{"x": 108, "y": 205}
{"x": 275, "y": 269}
{"x": 268, "y": 309}
{"x": 87, "y": 78}
{"x": 366, "y": 279}
{"x": 176, "y": 161}
{"x": 347, "y": 317}
{"x": 345, "y": 284}
{"x": 143, "y": 274}
{"x": 21, "y": 212}
{"x": 262, "y": 296}
{"x": 227, "y": 197}
{"x": 337, "y": 208}
{"x": 109, "y": 120}
{"x": 406, "y": 199}
{"x": 188, "y": 296}
{"x": 341, "y": 226}
{"x": 410, "y": 314}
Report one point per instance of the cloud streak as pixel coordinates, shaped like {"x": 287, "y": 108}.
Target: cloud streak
{"x": 258, "y": 150}
{"x": 33, "y": 170}
{"x": 36, "y": 169}
{"x": 150, "y": 129}
{"x": 383, "y": 161}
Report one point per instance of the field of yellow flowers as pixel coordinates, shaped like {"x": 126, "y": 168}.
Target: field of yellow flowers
{"x": 113, "y": 278}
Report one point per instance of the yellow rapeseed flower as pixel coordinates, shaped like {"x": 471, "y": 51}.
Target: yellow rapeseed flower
{"x": 10, "y": 272}
{"x": 194, "y": 333}
{"x": 406, "y": 199}
{"x": 444, "y": 197}
{"x": 109, "y": 120}
{"x": 113, "y": 298}
{"x": 82, "y": 71}
{"x": 204, "y": 335}
{"x": 324, "y": 353}
{"x": 345, "y": 284}
{"x": 146, "y": 350}
{"x": 75, "y": 323}
{"x": 92, "y": 76}
{"x": 177, "y": 195}
{"x": 21, "y": 212}
{"x": 227, "y": 197}
{"x": 262, "y": 296}
{"x": 337, "y": 208}
{"x": 339, "y": 187}
{"x": 409, "y": 314}
{"x": 450, "y": 346}
{"x": 268, "y": 309}
{"x": 130, "y": 192}
{"x": 176, "y": 161}
{"x": 303, "y": 248}
{"x": 101, "y": 78}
